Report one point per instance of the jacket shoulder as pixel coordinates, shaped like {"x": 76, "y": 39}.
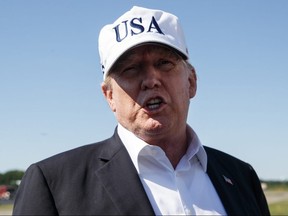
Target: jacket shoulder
{"x": 220, "y": 155}
{"x": 82, "y": 159}
{"x": 226, "y": 161}
{"x": 75, "y": 156}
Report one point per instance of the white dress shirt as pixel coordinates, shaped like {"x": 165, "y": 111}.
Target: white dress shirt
{"x": 186, "y": 190}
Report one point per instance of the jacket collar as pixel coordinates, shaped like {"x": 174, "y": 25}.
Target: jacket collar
{"x": 121, "y": 181}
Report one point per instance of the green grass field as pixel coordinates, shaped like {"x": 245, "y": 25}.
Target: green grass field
{"x": 279, "y": 208}
{"x": 6, "y": 209}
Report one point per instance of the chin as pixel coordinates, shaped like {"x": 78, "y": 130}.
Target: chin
{"x": 155, "y": 127}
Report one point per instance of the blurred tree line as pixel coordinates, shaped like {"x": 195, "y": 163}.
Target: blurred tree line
{"x": 11, "y": 177}
{"x": 277, "y": 185}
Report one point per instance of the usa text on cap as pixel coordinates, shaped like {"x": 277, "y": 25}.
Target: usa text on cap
{"x": 139, "y": 26}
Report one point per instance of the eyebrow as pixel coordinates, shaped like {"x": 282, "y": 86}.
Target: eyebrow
{"x": 129, "y": 55}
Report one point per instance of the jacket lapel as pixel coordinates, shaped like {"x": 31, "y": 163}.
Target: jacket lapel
{"x": 225, "y": 190}
{"x": 121, "y": 181}
{"x": 226, "y": 185}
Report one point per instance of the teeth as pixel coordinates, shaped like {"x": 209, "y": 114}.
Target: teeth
{"x": 154, "y": 103}
{"x": 153, "y": 106}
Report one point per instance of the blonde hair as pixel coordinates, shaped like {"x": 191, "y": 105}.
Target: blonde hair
{"x": 170, "y": 50}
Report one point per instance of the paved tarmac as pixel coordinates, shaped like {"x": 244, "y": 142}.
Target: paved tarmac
{"x": 276, "y": 196}
{"x": 6, "y": 202}
{"x": 6, "y": 213}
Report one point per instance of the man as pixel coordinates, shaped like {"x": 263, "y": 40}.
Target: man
{"x": 154, "y": 163}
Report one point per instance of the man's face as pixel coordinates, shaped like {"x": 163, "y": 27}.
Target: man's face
{"x": 149, "y": 91}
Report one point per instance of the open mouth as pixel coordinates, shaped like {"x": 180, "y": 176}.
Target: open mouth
{"x": 154, "y": 103}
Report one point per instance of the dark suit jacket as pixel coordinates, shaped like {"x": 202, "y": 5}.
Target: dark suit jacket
{"x": 101, "y": 179}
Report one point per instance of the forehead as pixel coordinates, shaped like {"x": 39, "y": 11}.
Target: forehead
{"x": 147, "y": 49}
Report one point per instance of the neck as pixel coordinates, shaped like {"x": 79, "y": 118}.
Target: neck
{"x": 174, "y": 146}
{"x": 174, "y": 151}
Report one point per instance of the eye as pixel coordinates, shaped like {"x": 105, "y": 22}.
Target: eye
{"x": 130, "y": 71}
{"x": 165, "y": 64}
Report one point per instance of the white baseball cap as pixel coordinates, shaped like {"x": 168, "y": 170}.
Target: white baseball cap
{"x": 139, "y": 26}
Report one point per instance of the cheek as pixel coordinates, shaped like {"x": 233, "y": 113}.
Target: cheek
{"x": 181, "y": 90}
{"x": 124, "y": 102}
{"x": 127, "y": 93}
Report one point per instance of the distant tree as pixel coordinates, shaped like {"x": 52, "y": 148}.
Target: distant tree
{"x": 11, "y": 177}
{"x": 1, "y": 178}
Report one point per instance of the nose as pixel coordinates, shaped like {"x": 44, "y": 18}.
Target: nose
{"x": 151, "y": 78}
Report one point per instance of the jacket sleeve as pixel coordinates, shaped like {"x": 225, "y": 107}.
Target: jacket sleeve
{"x": 34, "y": 196}
{"x": 261, "y": 199}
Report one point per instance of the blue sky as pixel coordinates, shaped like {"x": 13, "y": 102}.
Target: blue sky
{"x": 50, "y": 77}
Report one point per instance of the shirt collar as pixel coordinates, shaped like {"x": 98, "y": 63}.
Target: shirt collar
{"x": 134, "y": 145}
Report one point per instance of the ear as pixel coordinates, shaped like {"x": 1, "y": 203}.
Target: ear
{"x": 192, "y": 81}
{"x": 108, "y": 94}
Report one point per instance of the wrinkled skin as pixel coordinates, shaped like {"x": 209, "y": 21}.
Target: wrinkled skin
{"x": 149, "y": 90}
